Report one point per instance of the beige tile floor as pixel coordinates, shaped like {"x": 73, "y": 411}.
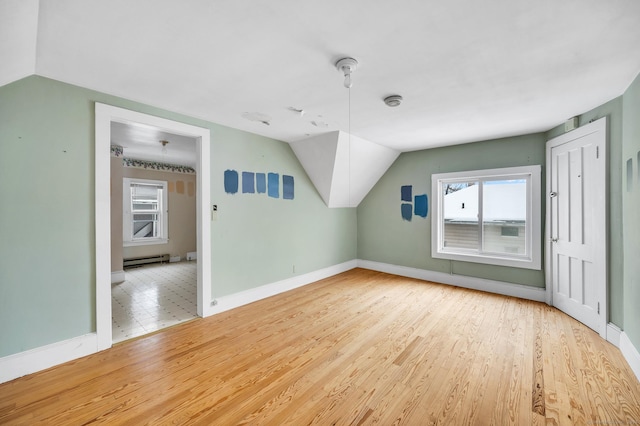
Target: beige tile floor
{"x": 153, "y": 297}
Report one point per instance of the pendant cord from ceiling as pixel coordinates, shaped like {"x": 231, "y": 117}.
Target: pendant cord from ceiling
{"x": 349, "y": 157}
{"x": 347, "y": 66}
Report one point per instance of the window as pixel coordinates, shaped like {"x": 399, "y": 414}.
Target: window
{"x": 145, "y": 215}
{"x": 488, "y": 216}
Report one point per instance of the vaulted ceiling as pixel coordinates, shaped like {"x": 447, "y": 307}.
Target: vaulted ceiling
{"x": 468, "y": 70}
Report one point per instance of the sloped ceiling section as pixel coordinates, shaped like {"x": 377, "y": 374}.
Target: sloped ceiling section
{"x": 343, "y": 167}
{"x": 18, "y": 39}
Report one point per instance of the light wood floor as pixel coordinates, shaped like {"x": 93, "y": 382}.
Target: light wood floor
{"x": 359, "y": 348}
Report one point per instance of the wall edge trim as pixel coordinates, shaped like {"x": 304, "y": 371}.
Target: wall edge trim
{"x": 630, "y": 353}
{"x": 491, "y": 286}
{"x": 38, "y": 359}
{"x": 245, "y": 297}
{"x": 613, "y": 334}
{"x": 43, "y": 357}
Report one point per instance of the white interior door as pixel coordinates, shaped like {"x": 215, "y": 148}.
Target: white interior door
{"x": 576, "y": 224}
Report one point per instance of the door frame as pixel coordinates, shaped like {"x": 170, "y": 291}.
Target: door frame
{"x": 602, "y": 235}
{"x": 104, "y": 115}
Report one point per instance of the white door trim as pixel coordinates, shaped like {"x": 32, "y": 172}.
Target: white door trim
{"x": 105, "y": 114}
{"x": 599, "y": 125}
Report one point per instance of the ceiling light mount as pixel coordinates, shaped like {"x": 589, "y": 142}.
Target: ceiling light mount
{"x": 393, "y": 100}
{"x": 347, "y": 66}
{"x": 164, "y": 146}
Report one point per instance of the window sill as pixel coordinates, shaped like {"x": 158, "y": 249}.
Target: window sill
{"x": 149, "y": 242}
{"x": 514, "y": 262}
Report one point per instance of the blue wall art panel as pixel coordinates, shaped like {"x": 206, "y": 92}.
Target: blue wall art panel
{"x": 420, "y": 205}
{"x": 261, "y": 183}
{"x": 273, "y": 185}
{"x": 417, "y": 205}
{"x": 248, "y": 183}
{"x": 405, "y": 193}
{"x": 405, "y": 209}
{"x": 230, "y": 181}
{"x": 287, "y": 187}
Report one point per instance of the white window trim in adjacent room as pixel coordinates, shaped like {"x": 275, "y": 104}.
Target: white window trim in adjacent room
{"x": 532, "y": 258}
{"x": 128, "y": 237}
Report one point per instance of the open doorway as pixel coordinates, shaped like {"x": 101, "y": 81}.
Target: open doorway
{"x": 153, "y": 229}
{"x": 106, "y": 116}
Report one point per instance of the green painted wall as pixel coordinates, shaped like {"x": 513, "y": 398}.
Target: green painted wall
{"x": 47, "y": 290}
{"x": 264, "y": 238}
{"x": 613, "y": 111}
{"x": 383, "y": 236}
{"x": 631, "y": 211}
{"x": 47, "y": 245}
{"x": 47, "y": 265}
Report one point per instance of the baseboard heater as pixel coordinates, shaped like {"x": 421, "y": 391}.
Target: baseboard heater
{"x": 137, "y": 261}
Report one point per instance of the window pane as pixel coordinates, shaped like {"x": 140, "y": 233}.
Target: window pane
{"x": 144, "y": 205}
{"x": 460, "y": 227}
{"x": 499, "y": 207}
{"x": 144, "y": 212}
{"x": 145, "y": 226}
{"x": 145, "y": 197}
{"x": 145, "y": 192}
{"x": 504, "y": 212}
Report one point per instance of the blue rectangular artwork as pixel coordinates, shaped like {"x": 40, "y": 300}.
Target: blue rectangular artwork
{"x": 261, "y": 183}
{"x": 420, "y": 205}
{"x": 248, "y": 183}
{"x": 287, "y": 187}
{"x": 273, "y": 185}
{"x": 405, "y": 193}
{"x": 230, "y": 181}
{"x": 405, "y": 209}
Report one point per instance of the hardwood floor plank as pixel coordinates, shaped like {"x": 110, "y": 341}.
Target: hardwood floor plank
{"x": 359, "y": 348}
{"x": 537, "y": 391}
{"x": 455, "y": 385}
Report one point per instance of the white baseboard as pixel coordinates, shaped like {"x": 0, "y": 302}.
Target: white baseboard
{"x": 117, "y": 277}
{"x": 630, "y": 353}
{"x": 33, "y": 360}
{"x": 235, "y": 300}
{"x": 491, "y": 286}
{"x": 613, "y": 334}
{"x": 41, "y": 358}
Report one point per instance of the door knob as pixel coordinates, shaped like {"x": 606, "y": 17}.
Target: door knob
{"x": 554, "y": 240}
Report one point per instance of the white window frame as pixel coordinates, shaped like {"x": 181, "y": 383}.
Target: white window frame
{"x": 532, "y": 259}
{"x": 127, "y": 216}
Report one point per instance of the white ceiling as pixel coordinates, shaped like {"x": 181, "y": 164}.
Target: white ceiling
{"x": 142, "y": 142}
{"x": 468, "y": 70}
